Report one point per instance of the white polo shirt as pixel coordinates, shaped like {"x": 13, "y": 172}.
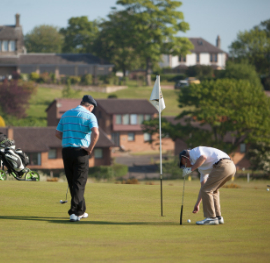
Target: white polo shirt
{"x": 213, "y": 155}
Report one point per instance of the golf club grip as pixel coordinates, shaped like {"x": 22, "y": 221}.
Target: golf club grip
{"x": 181, "y": 214}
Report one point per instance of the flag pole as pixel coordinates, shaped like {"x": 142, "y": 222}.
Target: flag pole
{"x": 160, "y": 153}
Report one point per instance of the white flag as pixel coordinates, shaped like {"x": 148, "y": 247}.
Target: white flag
{"x": 157, "y": 97}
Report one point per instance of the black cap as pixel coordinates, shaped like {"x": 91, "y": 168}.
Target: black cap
{"x": 182, "y": 154}
{"x": 89, "y": 99}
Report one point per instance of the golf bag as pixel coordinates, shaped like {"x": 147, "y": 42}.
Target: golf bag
{"x": 15, "y": 161}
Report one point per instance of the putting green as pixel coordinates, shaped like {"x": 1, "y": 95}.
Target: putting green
{"x": 125, "y": 225}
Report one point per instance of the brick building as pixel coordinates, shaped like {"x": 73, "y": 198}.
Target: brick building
{"x": 120, "y": 119}
{"x": 45, "y": 150}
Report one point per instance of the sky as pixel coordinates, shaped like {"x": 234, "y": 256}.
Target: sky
{"x": 207, "y": 18}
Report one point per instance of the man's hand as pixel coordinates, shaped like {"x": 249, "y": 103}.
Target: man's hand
{"x": 87, "y": 150}
{"x": 186, "y": 171}
{"x": 196, "y": 209}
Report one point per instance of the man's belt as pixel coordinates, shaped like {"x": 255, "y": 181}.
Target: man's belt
{"x": 222, "y": 159}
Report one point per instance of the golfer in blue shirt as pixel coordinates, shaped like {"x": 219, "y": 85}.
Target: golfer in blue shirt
{"x": 78, "y": 131}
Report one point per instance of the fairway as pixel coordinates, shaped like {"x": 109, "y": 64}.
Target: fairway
{"x": 124, "y": 224}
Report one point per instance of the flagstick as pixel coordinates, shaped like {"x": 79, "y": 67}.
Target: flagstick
{"x": 160, "y": 156}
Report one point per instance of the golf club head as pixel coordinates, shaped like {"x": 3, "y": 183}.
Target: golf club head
{"x": 63, "y": 202}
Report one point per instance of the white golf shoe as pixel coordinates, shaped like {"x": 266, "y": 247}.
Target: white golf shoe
{"x": 74, "y": 218}
{"x": 85, "y": 215}
{"x": 208, "y": 221}
{"x": 220, "y": 219}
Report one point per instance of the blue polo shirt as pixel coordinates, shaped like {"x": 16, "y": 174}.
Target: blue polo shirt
{"x": 76, "y": 125}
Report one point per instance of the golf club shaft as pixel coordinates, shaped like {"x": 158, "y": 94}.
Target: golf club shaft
{"x": 181, "y": 214}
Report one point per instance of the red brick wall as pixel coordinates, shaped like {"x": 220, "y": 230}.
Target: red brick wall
{"x": 139, "y": 145}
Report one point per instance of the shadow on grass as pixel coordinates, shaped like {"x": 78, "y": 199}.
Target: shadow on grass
{"x": 62, "y": 220}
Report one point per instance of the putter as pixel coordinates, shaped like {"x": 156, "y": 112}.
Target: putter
{"x": 63, "y": 202}
{"x": 181, "y": 213}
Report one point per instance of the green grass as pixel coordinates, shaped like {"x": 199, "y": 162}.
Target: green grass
{"x": 125, "y": 225}
{"x": 44, "y": 96}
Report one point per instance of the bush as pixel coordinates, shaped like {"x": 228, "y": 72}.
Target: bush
{"x": 200, "y": 71}
{"x": 169, "y": 77}
{"x": 87, "y": 79}
{"x": 108, "y": 172}
{"x": 74, "y": 79}
{"x": 34, "y": 76}
{"x": 44, "y": 78}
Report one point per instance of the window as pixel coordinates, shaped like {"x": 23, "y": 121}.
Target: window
{"x": 198, "y": 58}
{"x": 126, "y": 119}
{"x": 52, "y": 154}
{"x": 0, "y": 46}
{"x": 98, "y": 153}
{"x": 182, "y": 58}
{"x": 133, "y": 119}
{"x": 131, "y": 136}
{"x": 242, "y": 148}
{"x": 34, "y": 158}
{"x": 12, "y": 46}
{"x": 140, "y": 119}
{"x": 216, "y": 58}
{"x": 5, "y": 46}
{"x": 147, "y": 117}
{"x": 118, "y": 119}
{"x": 211, "y": 57}
{"x": 147, "y": 137}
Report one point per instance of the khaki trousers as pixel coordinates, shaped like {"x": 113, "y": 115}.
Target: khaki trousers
{"x": 220, "y": 174}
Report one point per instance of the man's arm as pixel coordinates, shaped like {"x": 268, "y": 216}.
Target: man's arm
{"x": 197, "y": 205}
{"x": 198, "y": 163}
{"x": 94, "y": 139}
{"x": 59, "y": 134}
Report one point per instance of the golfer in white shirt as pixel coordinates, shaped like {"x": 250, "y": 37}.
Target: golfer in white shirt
{"x": 215, "y": 168}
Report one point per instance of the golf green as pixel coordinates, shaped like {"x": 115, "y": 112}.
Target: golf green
{"x": 124, "y": 224}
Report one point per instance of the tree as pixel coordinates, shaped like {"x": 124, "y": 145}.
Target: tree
{"x": 14, "y": 97}
{"x": 44, "y": 39}
{"x": 254, "y": 45}
{"x": 115, "y": 42}
{"x": 259, "y": 156}
{"x": 239, "y": 71}
{"x": 79, "y": 35}
{"x": 221, "y": 114}
{"x": 155, "y": 25}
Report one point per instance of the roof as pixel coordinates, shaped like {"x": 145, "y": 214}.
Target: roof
{"x": 202, "y": 46}
{"x": 126, "y": 106}
{"x": 52, "y": 59}
{"x": 10, "y": 32}
{"x": 59, "y": 59}
{"x": 111, "y": 106}
{"x": 41, "y": 139}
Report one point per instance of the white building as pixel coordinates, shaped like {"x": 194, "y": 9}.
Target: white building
{"x": 203, "y": 53}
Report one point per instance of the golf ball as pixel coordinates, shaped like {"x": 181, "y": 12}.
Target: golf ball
{"x": 189, "y": 221}
{"x": 267, "y": 189}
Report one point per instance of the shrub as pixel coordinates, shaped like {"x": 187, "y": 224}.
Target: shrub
{"x": 34, "y": 76}
{"x": 44, "y": 78}
{"x": 108, "y": 172}
{"x": 74, "y": 79}
{"x": 169, "y": 77}
{"x": 200, "y": 71}
{"x": 112, "y": 96}
{"x": 87, "y": 79}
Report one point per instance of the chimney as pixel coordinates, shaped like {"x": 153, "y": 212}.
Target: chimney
{"x": 218, "y": 43}
{"x": 17, "y": 20}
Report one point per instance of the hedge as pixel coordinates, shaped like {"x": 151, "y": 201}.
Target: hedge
{"x": 108, "y": 172}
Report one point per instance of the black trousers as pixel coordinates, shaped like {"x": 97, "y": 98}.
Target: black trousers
{"x": 76, "y": 164}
